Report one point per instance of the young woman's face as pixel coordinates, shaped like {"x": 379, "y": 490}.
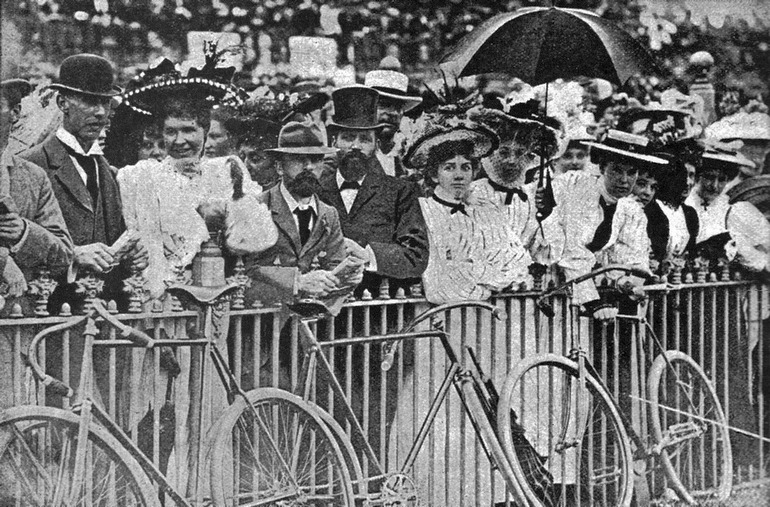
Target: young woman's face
{"x": 712, "y": 184}
{"x": 619, "y": 178}
{"x": 645, "y": 188}
{"x": 573, "y": 159}
{"x": 454, "y": 176}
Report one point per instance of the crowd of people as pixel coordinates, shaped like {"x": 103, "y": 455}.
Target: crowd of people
{"x": 324, "y": 194}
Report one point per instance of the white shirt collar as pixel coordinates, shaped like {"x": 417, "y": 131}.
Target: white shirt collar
{"x": 69, "y": 140}
{"x": 293, "y": 204}
{"x": 341, "y": 180}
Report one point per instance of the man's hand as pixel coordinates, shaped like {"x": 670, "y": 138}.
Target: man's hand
{"x": 95, "y": 256}
{"x": 11, "y": 229}
{"x": 138, "y": 257}
{"x": 355, "y": 250}
{"x": 317, "y": 283}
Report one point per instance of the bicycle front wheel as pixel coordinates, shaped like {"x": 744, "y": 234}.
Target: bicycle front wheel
{"x": 38, "y": 446}
{"x": 277, "y": 452}
{"x": 566, "y": 442}
{"x": 691, "y": 429}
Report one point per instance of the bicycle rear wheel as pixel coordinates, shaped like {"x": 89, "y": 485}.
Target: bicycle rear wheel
{"x": 689, "y": 424}
{"x": 37, "y": 462}
{"x": 550, "y": 425}
{"x": 285, "y": 455}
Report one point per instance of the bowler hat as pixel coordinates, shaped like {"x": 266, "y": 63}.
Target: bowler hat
{"x": 87, "y": 74}
{"x": 355, "y": 108}
{"x": 298, "y": 138}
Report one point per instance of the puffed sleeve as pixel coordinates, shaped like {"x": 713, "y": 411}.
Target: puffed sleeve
{"x": 751, "y": 232}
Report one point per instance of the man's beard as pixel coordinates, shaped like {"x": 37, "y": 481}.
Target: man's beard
{"x": 353, "y": 165}
{"x": 305, "y": 184}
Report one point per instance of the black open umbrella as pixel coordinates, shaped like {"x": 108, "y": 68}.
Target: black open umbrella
{"x": 542, "y": 44}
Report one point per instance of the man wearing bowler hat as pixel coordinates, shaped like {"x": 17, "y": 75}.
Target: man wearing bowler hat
{"x": 308, "y": 230}
{"x": 394, "y": 101}
{"x": 380, "y": 215}
{"x": 81, "y": 177}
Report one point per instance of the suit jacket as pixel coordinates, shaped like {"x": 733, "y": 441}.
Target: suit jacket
{"x": 385, "y": 215}
{"x": 86, "y": 223}
{"x": 46, "y": 242}
{"x": 273, "y": 271}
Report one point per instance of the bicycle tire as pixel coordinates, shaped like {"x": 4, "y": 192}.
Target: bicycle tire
{"x": 477, "y": 413}
{"x": 602, "y": 441}
{"x": 36, "y": 441}
{"x": 692, "y": 473}
{"x": 254, "y": 470}
{"x": 349, "y": 453}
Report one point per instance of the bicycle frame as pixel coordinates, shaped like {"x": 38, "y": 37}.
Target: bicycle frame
{"x": 455, "y": 374}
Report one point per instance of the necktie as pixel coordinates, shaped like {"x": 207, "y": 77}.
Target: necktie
{"x": 303, "y": 217}
{"x": 454, "y": 207}
{"x": 509, "y": 192}
{"x": 350, "y": 185}
{"x": 89, "y": 165}
{"x": 604, "y": 231}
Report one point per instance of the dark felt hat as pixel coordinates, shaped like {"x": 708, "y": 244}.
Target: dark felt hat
{"x": 355, "y": 108}
{"x": 15, "y": 89}
{"x": 87, "y": 74}
{"x": 298, "y": 138}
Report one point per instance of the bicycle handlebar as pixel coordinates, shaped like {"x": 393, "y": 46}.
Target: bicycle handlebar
{"x": 545, "y": 308}
{"x": 127, "y": 332}
{"x": 390, "y": 348}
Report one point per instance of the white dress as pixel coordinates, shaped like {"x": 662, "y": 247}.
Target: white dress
{"x": 578, "y": 213}
{"x": 161, "y": 204}
{"x": 472, "y": 253}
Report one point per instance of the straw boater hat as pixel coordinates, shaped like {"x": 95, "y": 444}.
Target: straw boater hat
{"x": 625, "y": 146}
{"x": 392, "y": 85}
{"x": 210, "y": 85}
{"x": 718, "y": 153}
{"x": 297, "y": 138}
{"x": 435, "y": 129}
{"x": 745, "y": 126}
{"x": 355, "y": 108}
{"x": 87, "y": 74}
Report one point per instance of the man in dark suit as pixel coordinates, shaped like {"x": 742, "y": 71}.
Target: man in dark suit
{"x": 380, "y": 215}
{"x": 309, "y": 231}
{"x": 81, "y": 177}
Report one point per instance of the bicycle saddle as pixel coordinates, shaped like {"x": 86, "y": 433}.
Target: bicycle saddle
{"x": 201, "y": 295}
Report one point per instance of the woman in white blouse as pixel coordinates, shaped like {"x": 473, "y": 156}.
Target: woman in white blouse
{"x": 474, "y": 248}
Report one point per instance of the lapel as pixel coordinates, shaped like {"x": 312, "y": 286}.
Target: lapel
{"x": 284, "y": 218}
{"x": 368, "y": 190}
{"x": 331, "y": 193}
{"x": 320, "y": 229}
{"x": 64, "y": 171}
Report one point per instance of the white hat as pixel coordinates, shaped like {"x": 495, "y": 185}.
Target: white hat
{"x": 741, "y": 126}
{"x": 393, "y": 85}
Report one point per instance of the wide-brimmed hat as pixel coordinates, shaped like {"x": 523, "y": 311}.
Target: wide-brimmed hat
{"x": 298, "y": 138}
{"x": 623, "y": 145}
{"x": 742, "y": 125}
{"x": 355, "y": 108}
{"x": 393, "y": 85}
{"x": 434, "y": 129}
{"x": 725, "y": 153}
{"x": 210, "y": 85}
{"x": 87, "y": 74}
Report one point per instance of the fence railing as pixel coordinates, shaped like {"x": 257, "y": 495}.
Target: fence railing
{"x": 720, "y": 324}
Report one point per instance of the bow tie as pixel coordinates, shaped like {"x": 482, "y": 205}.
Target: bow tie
{"x": 350, "y": 185}
{"x": 509, "y": 192}
{"x": 454, "y": 207}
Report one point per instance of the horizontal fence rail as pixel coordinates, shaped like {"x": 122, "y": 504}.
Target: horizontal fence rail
{"x": 719, "y": 324}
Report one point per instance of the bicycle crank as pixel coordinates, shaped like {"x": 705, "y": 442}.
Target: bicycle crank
{"x": 398, "y": 490}
{"x": 678, "y": 433}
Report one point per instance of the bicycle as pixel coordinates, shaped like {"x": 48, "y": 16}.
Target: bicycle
{"x": 587, "y": 442}
{"x": 53, "y": 457}
{"x": 237, "y": 461}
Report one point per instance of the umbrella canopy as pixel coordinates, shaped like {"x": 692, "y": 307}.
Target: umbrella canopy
{"x": 542, "y": 44}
